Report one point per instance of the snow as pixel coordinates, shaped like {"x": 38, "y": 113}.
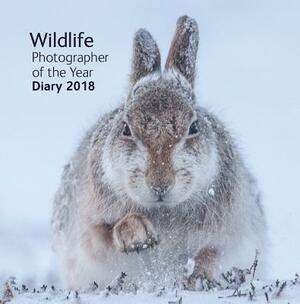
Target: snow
{"x": 211, "y": 191}
{"x": 248, "y": 74}
{"x": 189, "y": 267}
{"x": 256, "y": 291}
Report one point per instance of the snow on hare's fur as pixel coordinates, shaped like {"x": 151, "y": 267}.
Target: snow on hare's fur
{"x": 156, "y": 182}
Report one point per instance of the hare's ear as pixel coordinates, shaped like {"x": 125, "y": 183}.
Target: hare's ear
{"x": 146, "y": 56}
{"x": 184, "y": 47}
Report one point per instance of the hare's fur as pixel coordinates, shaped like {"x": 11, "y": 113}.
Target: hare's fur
{"x": 159, "y": 193}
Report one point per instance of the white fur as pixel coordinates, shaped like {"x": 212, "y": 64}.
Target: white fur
{"x": 214, "y": 200}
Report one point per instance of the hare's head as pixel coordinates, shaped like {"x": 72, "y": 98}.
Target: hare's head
{"x": 163, "y": 152}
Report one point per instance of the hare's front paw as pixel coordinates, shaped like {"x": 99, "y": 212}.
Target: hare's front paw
{"x": 201, "y": 268}
{"x": 134, "y": 232}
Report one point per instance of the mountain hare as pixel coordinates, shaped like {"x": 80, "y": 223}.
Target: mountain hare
{"x": 157, "y": 182}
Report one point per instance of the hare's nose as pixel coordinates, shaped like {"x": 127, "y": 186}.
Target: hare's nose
{"x": 160, "y": 190}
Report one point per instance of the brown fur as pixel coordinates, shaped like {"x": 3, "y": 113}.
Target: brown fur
{"x": 106, "y": 204}
{"x": 205, "y": 266}
{"x": 132, "y": 232}
{"x": 178, "y": 56}
{"x": 141, "y": 61}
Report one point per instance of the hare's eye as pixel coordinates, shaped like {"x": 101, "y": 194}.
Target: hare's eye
{"x": 194, "y": 128}
{"x": 126, "y": 130}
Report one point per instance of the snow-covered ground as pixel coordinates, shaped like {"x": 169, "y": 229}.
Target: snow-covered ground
{"x": 248, "y": 74}
{"x": 252, "y": 291}
{"x": 171, "y": 297}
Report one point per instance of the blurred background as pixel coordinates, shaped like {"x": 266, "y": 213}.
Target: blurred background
{"x": 248, "y": 74}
